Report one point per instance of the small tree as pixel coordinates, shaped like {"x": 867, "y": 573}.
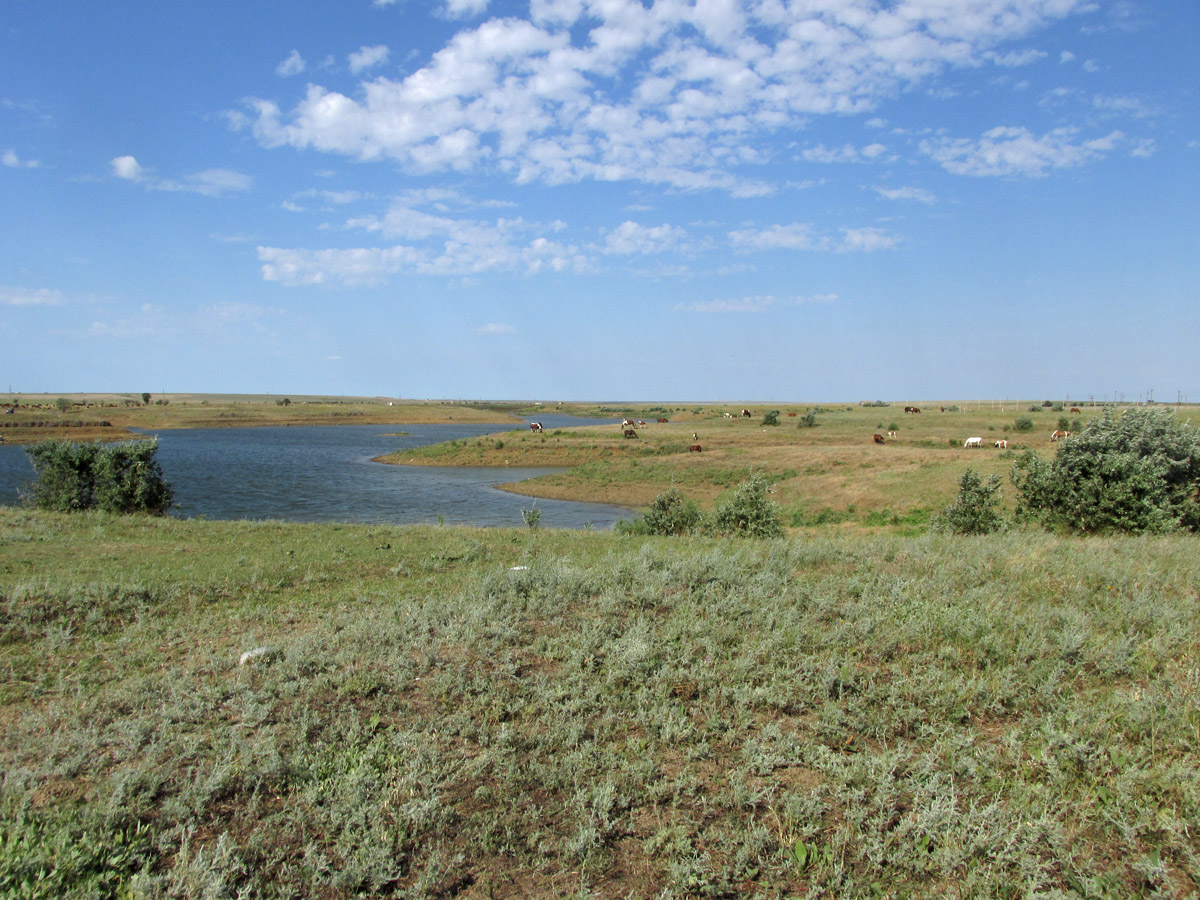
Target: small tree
{"x": 672, "y": 513}
{"x": 1139, "y": 473}
{"x": 771, "y": 418}
{"x": 63, "y": 404}
{"x": 145, "y": 399}
{"x": 976, "y": 509}
{"x": 1023, "y": 423}
{"x": 749, "y": 512}
{"x": 118, "y": 478}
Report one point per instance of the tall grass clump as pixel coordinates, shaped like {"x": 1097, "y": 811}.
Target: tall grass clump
{"x": 118, "y": 478}
{"x": 1137, "y": 473}
{"x": 976, "y": 509}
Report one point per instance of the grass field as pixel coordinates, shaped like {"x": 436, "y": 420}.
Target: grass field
{"x": 450, "y": 712}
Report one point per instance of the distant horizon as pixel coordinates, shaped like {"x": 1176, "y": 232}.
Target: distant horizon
{"x": 581, "y": 198}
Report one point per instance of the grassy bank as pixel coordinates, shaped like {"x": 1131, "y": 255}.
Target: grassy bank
{"x": 826, "y": 716}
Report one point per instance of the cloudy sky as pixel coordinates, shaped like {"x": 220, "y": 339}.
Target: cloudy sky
{"x": 602, "y": 199}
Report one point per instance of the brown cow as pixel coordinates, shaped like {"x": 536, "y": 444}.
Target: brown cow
{"x": 630, "y": 433}
{"x": 694, "y": 448}
{"x": 664, "y": 420}
{"x": 878, "y": 438}
{"x": 1075, "y": 409}
{"x": 1058, "y": 435}
{"x": 535, "y": 426}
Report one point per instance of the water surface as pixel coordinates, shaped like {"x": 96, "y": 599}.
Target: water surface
{"x": 326, "y": 474}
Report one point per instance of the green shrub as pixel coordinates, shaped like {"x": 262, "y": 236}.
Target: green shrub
{"x": 672, "y": 513}
{"x": 771, "y": 418}
{"x": 1139, "y": 473}
{"x": 119, "y": 478}
{"x": 808, "y": 420}
{"x": 63, "y": 404}
{"x": 1023, "y": 423}
{"x": 749, "y": 511}
{"x": 976, "y": 509}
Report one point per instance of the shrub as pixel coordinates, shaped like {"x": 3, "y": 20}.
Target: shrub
{"x": 118, "y": 478}
{"x": 975, "y": 510}
{"x": 771, "y": 418}
{"x": 749, "y": 511}
{"x": 1064, "y": 423}
{"x": 1139, "y": 473}
{"x": 1023, "y": 423}
{"x": 63, "y": 404}
{"x": 672, "y": 513}
{"x": 808, "y": 420}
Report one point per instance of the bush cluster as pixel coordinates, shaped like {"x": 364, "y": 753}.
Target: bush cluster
{"x": 119, "y": 478}
{"x": 747, "y": 512}
{"x": 976, "y": 509}
{"x": 1137, "y": 473}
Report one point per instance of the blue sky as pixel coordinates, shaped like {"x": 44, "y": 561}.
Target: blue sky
{"x": 602, "y": 199}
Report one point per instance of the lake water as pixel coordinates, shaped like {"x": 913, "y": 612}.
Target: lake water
{"x": 326, "y": 474}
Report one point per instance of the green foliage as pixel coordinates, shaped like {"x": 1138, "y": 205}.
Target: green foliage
{"x": 771, "y": 417}
{"x": 672, "y": 513}
{"x": 1139, "y": 473}
{"x": 63, "y": 404}
{"x": 808, "y": 420}
{"x": 749, "y": 511}
{"x": 145, "y": 399}
{"x": 1064, "y": 423}
{"x": 1023, "y": 424}
{"x": 118, "y": 478}
{"x": 976, "y": 509}
{"x": 532, "y": 517}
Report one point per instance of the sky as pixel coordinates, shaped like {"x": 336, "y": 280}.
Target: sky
{"x": 742, "y": 200}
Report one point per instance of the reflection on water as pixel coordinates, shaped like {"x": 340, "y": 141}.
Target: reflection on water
{"x": 325, "y": 474}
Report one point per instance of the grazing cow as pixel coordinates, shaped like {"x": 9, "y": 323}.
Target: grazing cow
{"x": 745, "y": 413}
{"x": 628, "y": 423}
{"x": 695, "y": 436}
{"x": 729, "y": 415}
{"x": 630, "y": 433}
{"x": 694, "y": 448}
{"x": 535, "y": 427}
{"x": 791, "y": 415}
{"x": 641, "y": 421}
{"x": 1075, "y": 409}
{"x": 973, "y": 442}
{"x": 663, "y": 420}
{"x": 878, "y": 438}
{"x": 912, "y": 409}
{"x": 893, "y": 434}
{"x": 1002, "y": 444}
{"x": 1058, "y": 435}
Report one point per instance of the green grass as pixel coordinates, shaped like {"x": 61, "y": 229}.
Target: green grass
{"x": 829, "y": 715}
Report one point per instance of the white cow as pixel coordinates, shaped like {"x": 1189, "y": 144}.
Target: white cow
{"x": 973, "y": 442}
{"x": 1002, "y": 444}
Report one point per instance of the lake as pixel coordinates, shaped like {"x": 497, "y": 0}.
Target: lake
{"x": 326, "y": 474}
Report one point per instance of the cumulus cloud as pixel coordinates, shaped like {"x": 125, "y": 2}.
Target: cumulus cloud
{"x": 209, "y": 182}
{"x": 630, "y": 237}
{"x": 293, "y": 65}
{"x": 367, "y": 57}
{"x": 1009, "y": 150}
{"x": 10, "y": 296}
{"x": 907, "y": 193}
{"x": 11, "y": 160}
{"x": 687, "y": 95}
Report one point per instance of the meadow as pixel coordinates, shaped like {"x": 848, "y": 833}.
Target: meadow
{"x": 455, "y": 712}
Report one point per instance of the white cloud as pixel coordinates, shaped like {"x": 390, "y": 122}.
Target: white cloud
{"x": 687, "y": 95}
{"x": 126, "y": 167}
{"x": 802, "y": 237}
{"x": 907, "y": 193}
{"x": 866, "y": 240}
{"x": 293, "y": 65}
{"x": 495, "y": 328}
{"x": 367, "y": 57}
{"x": 10, "y": 296}
{"x": 1016, "y": 151}
{"x": 630, "y": 237}
{"x": 209, "y": 182}
{"x": 10, "y": 159}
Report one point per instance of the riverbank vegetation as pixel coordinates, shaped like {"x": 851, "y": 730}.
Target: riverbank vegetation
{"x": 437, "y": 712}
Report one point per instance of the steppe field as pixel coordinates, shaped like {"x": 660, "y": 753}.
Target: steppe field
{"x": 863, "y": 708}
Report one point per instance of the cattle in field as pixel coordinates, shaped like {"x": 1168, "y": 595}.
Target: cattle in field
{"x": 893, "y": 434}
{"x": 663, "y": 420}
{"x": 912, "y": 409}
{"x": 641, "y": 422}
{"x": 791, "y": 415}
{"x": 729, "y": 415}
{"x": 973, "y": 442}
{"x": 745, "y": 413}
{"x": 628, "y": 423}
{"x": 535, "y": 427}
{"x": 694, "y": 448}
{"x": 630, "y": 433}
{"x": 1075, "y": 409}
{"x": 878, "y": 438}
{"x": 695, "y": 436}
{"x": 1002, "y": 444}
{"x": 1059, "y": 435}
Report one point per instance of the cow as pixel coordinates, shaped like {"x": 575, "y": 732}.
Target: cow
{"x": 628, "y": 423}
{"x": 745, "y": 413}
{"x": 641, "y": 422}
{"x": 912, "y": 409}
{"x": 535, "y": 427}
{"x": 694, "y": 448}
{"x": 630, "y": 433}
{"x": 791, "y": 415}
{"x": 695, "y": 436}
{"x": 1059, "y": 435}
{"x": 660, "y": 421}
{"x": 973, "y": 442}
{"x": 893, "y": 434}
{"x": 1002, "y": 444}
{"x": 1075, "y": 409}
{"x": 878, "y": 438}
